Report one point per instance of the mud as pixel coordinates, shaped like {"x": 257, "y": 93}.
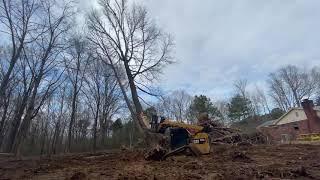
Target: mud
{"x": 225, "y": 162}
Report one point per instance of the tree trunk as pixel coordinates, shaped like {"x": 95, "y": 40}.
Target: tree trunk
{"x": 16, "y": 122}
{"x": 22, "y": 133}
{"x": 135, "y": 97}
{"x": 95, "y": 127}
{"x": 61, "y": 138}
{"x": 72, "y": 119}
{"x": 57, "y": 128}
{"x": 42, "y": 139}
{"x": 74, "y": 105}
{"x": 3, "y": 119}
{"x": 132, "y": 112}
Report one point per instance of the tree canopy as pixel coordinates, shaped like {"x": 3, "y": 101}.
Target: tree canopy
{"x": 239, "y": 108}
{"x": 202, "y": 104}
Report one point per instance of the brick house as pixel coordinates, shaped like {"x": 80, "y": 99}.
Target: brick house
{"x": 296, "y": 121}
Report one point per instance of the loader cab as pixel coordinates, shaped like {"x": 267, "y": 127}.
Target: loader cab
{"x": 178, "y": 137}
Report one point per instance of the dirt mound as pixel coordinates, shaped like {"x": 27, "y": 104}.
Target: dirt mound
{"x": 240, "y": 156}
{"x": 224, "y": 162}
{"x": 155, "y": 153}
{"x": 78, "y": 176}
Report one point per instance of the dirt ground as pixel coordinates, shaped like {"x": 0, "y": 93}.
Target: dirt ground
{"x": 225, "y": 162}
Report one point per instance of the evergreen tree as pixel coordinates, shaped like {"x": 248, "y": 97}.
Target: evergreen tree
{"x": 239, "y": 108}
{"x": 203, "y": 104}
{"x": 276, "y": 113}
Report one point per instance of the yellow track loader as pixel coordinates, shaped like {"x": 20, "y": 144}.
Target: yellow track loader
{"x": 181, "y": 137}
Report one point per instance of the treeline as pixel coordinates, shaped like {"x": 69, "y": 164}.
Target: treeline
{"x": 286, "y": 87}
{"x": 62, "y": 87}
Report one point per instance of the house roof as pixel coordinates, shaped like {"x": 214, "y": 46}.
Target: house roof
{"x": 267, "y": 123}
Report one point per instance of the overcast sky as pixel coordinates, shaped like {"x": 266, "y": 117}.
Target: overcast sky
{"x": 219, "y": 41}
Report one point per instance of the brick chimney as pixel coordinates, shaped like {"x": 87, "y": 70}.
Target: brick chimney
{"x": 311, "y": 114}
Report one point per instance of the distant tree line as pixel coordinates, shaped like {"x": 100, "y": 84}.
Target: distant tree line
{"x": 181, "y": 106}
{"x": 286, "y": 87}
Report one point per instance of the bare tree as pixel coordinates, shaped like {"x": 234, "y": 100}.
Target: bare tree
{"x": 262, "y": 100}
{"x": 315, "y": 75}
{"x": 241, "y": 87}
{"x": 8, "y": 106}
{"x": 164, "y": 107}
{"x": 93, "y": 92}
{"x": 222, "y": 107}
{"x": 111, "y": 106}
{"x": 45, "y": 134}
{"x": 76, "y": 61}
{"x": 296, "y": 81}
{"x": 279, "y": 92}
{"x": 175, "y": 105}
{"x": 100, "y": 90}
{"x": 17, "y": 19}
{"x": 58, "y": 122}
{"x": 23, "y": 92}
{"x": 7, "y": 110}
{"x": 290, "y": 84}
{"x": 42, "y": 59}
{"x": 126, "y": 37}
{"x": 181, "y": 103}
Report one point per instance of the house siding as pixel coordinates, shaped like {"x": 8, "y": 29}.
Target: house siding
{"x": 290, "y": 131}
{"x": 293, "y": 116}
{"x": 285, "y": 132}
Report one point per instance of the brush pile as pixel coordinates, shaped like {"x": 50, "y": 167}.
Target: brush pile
{"x": 220, "y": 134}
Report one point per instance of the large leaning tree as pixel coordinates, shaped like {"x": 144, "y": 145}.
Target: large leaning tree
{"x": 126, "y": 38}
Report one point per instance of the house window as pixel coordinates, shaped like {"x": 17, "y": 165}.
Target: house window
{"x": 296, "y": 127}
{"x": 297, "y": 114}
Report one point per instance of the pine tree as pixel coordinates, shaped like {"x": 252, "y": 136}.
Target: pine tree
{"x": 203, "y": 104}
{"x": 239, "y": 108}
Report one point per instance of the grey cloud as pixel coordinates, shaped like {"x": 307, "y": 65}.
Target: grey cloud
{"x": 220, "y": 41}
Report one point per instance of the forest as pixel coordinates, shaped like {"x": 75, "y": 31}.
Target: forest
{"x": 70, "y": 86}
